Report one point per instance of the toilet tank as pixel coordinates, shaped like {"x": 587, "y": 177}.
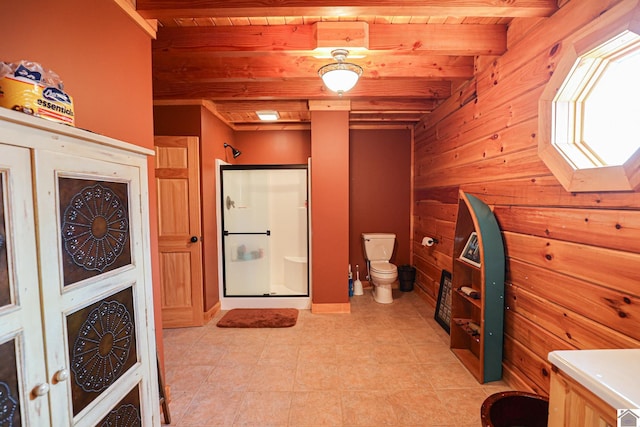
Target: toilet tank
{"x": 378, "y": 246}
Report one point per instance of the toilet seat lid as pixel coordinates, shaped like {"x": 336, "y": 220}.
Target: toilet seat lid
{"x": 383, "y": 267}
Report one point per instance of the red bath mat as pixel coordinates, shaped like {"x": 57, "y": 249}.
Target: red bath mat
{"x": 259, "y": 318}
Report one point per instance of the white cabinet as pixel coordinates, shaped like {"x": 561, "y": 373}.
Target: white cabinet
{"x": 77, "y": 344}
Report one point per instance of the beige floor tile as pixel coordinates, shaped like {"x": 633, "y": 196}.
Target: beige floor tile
{"x": 212, "y": 408}
{"x": 185, "y": 336}
{"x": 424, "y": 335}
{"x": 279, "y": 354}
{"x": 449, "y": 375}
{"x": 231, "y": 378}
{"x": 394, "y": 353}
{"x": 317, "y": 376}
{"x": 495, "y": 387}
{"x": 201, "y": 355}
{"x": 315, "y": 408}
{"x": 433, "y": 353}
{"x": 264, "y": 408}
{"x": 180, "y": 401}
{"x": 380, "y": 365}
{"x": 318, "y": 353}
{"x": 216, "y": 336}
{"x": 249, "y": 337}
{"x": 403, "y": 376}
{"x": 361, "y": 377}
{"x": 362, "y": 334}
{"x": 286, "y": 336}
{"x": 187, "y": 379}
{"x": 272, "y": 378}
{"x": 355, "y": 353}
{"x": 388, "y": 336}
{"x": 367, "y": 408}
{"x": 419, "y": 408}
{"x": 241, "y": 355}
{"x": 322, "y": 335}
{"x": 463, "y": 404}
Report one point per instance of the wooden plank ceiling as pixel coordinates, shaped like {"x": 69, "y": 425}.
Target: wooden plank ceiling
{"x": 238, "y": 57}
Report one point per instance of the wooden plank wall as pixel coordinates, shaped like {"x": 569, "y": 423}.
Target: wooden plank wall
{"x": 573, "y": 260}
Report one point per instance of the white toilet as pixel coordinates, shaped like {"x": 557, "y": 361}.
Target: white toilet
{"x": 378, "y": 248}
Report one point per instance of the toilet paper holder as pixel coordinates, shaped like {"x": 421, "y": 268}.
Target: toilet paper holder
{"x": 429, "y": 241}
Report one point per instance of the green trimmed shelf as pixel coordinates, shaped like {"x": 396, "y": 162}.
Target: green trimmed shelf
{"x": 478, "y": 347}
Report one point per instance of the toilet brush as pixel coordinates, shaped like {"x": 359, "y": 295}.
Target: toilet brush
{"x": 357, "y": 285}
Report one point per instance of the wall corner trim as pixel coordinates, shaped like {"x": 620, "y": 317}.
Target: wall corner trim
{"x": 149, "y": 26}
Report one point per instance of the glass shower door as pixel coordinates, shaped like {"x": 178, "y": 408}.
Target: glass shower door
{"x": 264, "y": 231}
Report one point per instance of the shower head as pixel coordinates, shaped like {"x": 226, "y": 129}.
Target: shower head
{"x": 235, "y": 152}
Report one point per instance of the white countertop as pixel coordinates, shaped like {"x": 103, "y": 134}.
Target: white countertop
{"x": 612, "y": 375}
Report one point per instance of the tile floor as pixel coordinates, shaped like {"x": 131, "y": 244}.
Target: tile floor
{"x": 381, "y": 365}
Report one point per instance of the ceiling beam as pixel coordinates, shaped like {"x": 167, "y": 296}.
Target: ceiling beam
{"x": 163, "y": 9}
{"x": 248, "y": 127}
{"x": 392, "y": 105}
{"x": 301, "y": 88}
{"x": 472, "y": 39}
{"x": 208, "y": 68}
{"x": 357, "y": 116}
{"x": 253, "y": 127}
{"x": 253, "y": 106}
{"x": 359, "y": 105}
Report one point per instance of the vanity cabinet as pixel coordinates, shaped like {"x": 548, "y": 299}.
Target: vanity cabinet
{"x": 77, "y": 344}
{"x": 477, "y": 295}
{"x": 572, "y": 405}
{"x": 594, "y": 388}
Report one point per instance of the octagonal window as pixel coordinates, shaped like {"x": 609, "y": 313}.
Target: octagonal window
{"x": 589, "y": 122}
{"x": 596, "y": 113}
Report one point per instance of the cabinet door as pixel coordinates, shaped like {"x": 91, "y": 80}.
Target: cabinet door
{"x": 99, "y": 329}
{"x": 571, "y": 405}
{"x": 22, "y": 368}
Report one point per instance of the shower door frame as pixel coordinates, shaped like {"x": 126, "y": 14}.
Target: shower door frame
{"x": 268, "y": 300}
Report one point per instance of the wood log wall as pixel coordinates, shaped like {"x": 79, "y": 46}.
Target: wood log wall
{"x": 573, "y": 259}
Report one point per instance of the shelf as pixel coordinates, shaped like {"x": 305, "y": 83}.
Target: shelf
{"x": 463, "y": 324}
{"x": 475, "y": 302}
{"x": 466, "y": 264}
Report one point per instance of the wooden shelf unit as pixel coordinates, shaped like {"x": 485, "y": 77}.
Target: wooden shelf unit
{"x": 481, "y": 351}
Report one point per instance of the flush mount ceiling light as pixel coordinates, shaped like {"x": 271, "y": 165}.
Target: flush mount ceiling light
{"x": 340, "y": 76}
{"x": 268, "y": 115}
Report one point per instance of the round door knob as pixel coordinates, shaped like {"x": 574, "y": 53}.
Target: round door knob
{"x": 61, "y": 375}
{"x": 40, "y": 390}
{"x": 194, "y": 239}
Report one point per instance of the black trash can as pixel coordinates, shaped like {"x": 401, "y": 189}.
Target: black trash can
{"x": 406, "y": 276}
{"x": 515, "y": 408}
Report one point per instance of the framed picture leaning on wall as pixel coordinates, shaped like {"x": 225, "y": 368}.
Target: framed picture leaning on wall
{"x": 471, "y": 251}
{"x": 443, "y": 306}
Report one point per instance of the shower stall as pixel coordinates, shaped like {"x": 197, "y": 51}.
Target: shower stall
{"x": 264, "y": 241}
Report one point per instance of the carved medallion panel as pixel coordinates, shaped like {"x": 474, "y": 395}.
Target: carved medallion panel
{"x": 9, "y": 397}
{"x": 126, "y": 413}
{"x": 95, "y": 230}
{"x": 102, "y": 346}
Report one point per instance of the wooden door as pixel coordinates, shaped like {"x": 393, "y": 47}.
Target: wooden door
{"x": 23, "y": 378}
{"x": 95, "y": 284}
{"x": 179, "y": 230}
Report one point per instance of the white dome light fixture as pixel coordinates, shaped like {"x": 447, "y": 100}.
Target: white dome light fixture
{"x": 340, "y": 76}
